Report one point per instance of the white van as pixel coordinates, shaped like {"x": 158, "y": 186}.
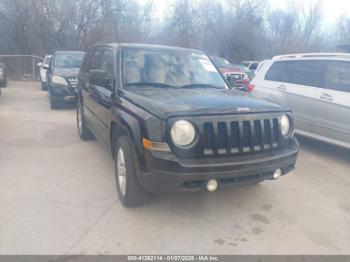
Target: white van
{"x": 43, "y": 71}
{"x": 316, "y": 87}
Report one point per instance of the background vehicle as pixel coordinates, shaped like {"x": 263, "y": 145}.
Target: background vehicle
{"x": 246, "y": 70}
{"x": 234, "y": 74}
{"x": 317, "y": 89}
{"x": 172, "y": 123}
{"x": 62, "y": 75}
{"x": 3, "y": 75}
{"x": 43, "y": 71}
{"x": 252, "y": 65}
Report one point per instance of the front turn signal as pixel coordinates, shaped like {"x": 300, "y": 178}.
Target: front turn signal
{"x": 155, "y": 146}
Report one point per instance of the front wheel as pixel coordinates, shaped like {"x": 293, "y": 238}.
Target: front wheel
{"x": 43, "y": 86}
{"x": 54, "y": 103}
{"x": 129, "y": 188}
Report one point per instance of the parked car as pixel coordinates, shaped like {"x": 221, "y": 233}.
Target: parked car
{"x": 235, "y": 75}
{"x": 246, "y": 70}
{"x": 173, "y": 124}
{"x": 43, "y": 71}
{"x": 252, "y": 65}
{"x": 3, "y": 75}
{"x": 62, "y": 75}
{"x": 317, "y": 89}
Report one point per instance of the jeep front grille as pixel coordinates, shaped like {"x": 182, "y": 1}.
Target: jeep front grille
{"x": 234, "y": 77}
{"x": 241, "y": 136}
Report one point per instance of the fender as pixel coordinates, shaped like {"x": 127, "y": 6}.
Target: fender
{"x": 125, "y": 123}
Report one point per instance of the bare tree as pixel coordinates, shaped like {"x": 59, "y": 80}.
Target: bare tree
{"x": 183, "y": 25}
{"x": 343, "y": 30}
{"x": 235, "y": 29}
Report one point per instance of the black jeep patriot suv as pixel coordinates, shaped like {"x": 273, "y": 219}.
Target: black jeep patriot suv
{"x": 173, "y": 124}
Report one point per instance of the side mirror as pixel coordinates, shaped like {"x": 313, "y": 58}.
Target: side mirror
{"x": 39, "y": 64}
{"x": 100, "y": 78}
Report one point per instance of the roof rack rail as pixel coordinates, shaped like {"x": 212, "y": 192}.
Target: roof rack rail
{"x": 306, "y": 55}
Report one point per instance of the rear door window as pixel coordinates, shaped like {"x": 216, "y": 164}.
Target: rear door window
{"x": 338, "y": 76}
{"x": 302, "y": 72}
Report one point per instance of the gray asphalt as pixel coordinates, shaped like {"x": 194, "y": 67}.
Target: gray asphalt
{"x": 58, "y": 196}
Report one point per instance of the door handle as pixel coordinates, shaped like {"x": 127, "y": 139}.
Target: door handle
{"x": 326, "y": 97}
{"x": 282, "y": 87}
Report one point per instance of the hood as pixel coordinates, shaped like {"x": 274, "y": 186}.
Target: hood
{"x": 66, "y": 72}
{"x": 165, "y": 103}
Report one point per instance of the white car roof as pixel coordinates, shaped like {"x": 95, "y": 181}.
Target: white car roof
{"x": 312, "y": 55}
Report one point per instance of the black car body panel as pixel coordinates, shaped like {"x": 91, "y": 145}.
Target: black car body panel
{"x": 167, "y": 175}
{"x": 256, "y": 151}
{"x": 197, "y": 102}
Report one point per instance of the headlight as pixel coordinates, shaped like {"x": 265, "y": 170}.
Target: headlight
{"x": 285, "y": 125}
{"x": 182, "y": 133}
{"x": 59, "y": 80}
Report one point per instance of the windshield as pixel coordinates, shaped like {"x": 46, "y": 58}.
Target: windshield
{"x": 254, "y": 66}
{"x": 47, "y": 60}
{"x": 68, "y": 59}
{"x": 220, "y": 62}
{"x": 169, "y": 68}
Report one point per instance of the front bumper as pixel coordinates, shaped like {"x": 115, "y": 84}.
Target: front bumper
{"x": 166, "y": 173}
{"x": 60, "y": 92}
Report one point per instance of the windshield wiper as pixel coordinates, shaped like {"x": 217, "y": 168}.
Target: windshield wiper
{"x": 155, "y": 85}
{"x": 201, "y": 86}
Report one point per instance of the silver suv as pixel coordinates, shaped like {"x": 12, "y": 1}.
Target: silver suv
{"x": 316, "y": 87}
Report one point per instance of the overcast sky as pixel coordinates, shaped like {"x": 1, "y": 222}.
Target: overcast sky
{"x": 332, "y": 9}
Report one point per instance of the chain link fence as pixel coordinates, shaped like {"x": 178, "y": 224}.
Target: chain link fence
{"x": 21, "y": 67}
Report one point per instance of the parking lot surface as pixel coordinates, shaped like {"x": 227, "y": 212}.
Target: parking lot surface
{"x": 58, "y": 196}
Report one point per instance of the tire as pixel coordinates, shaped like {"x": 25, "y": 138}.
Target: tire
{"x": 43, "y": 86}
{"x": 129, "y": 189}
{"x": 83, "y": 130}
{"x": 54, "y": 103}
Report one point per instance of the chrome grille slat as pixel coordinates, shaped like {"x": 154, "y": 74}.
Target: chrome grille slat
{"x": 73, "y": 82}
{"x": 241, "y": 136}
